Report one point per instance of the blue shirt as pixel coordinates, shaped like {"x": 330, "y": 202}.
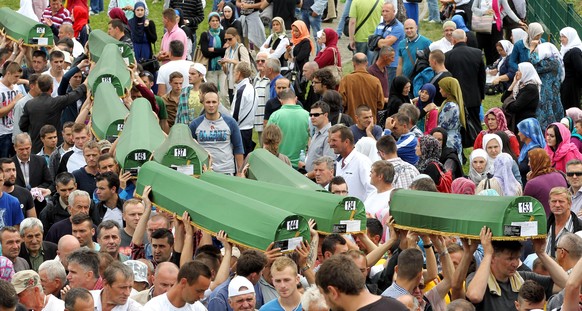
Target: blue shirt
{"x": 396, "y": 30}
{"x": 10, "y": 211}
{"x": 218, "y": 299}
{"x": 358, "y": 134}
{"x": 274, "y": 305}
{"x": 412, "y": 46}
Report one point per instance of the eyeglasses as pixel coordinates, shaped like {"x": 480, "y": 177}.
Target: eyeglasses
{"x": 315, "y": 114}
{"x": 261, "y": 60}
{"x": 316, "y": 82}
{"x": 228, "y": 39}
{"x": 558, "y": 247}
{"x": 572, "y": 174}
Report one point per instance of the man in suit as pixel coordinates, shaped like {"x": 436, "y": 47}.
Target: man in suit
{"x": 31, "y": 170}
{"x": 45, "y": 109}
{"x": 466, "y": 65}
{"x": 33, "y": 249}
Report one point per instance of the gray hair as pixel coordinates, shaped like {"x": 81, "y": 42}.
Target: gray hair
{"x": 329, "y": 162}
{"x": 110, "y": 274}
{"x": 54, "y": 270}
{"x": 73, "y": 295}
{"x": 273, "y": 64}
{"x": 385, "y": 50}
{"x": 573, "y": 244}
{"x": 77, "y": 193}
{"x": 312, "y": 295}
{"x": 22, "y": 138}
{"x": 108, "y": 224}
{"x": 29, "y": 223}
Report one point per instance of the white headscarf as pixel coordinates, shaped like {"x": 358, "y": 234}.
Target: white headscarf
{"x": 475, "y": 176}
{"x": 518, "y": 34}
{"x": 507, "y": 46}
{"x": 548, "y": 50}
{"x": 529, "y": 75}
{"x": 367, "y": 147}
{"x": 27, "y": 10}
{"x": 573, "y": 40}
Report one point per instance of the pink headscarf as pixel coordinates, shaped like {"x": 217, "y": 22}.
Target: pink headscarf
{"x": 6, "y": 269}
{"x": 565, "y": 151}
{"x": 463, "y": 185}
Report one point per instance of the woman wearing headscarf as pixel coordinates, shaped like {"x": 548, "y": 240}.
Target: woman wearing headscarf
{"x": 559, "y": 147}
{"x": 235, "y": 53}
{"x": 117, "y": 13}
{"x": 125, "y": 7}
{"x": 367, "y": 147}
{"x": 495, "y": 121}
{"x": 521, "y": 99}
{"x": 542, "y": 178}
{"x": 298, "y": 52}
{"x": 503, "y": 181}
{"x": 277, "y": 42}
{"x": 571, "y": 51}
{"x": 471, "y": 39}
{"x": 500, "y": 67}
{"x": 521, "y": 44}
{"x": 493, "y": 145}
{"x": 452, "y": 113}
{"x": 478, "y": 165}
{"x": 576, "y": 138}
{"x": 499, "y": 9}
{"x": 399, "y": 91}
{"x": 463, "y": 185}
{"x": 531, "y": 136}
{"x": 449, "y": 157}
{"x": 143, "y": 33}
{"x": 547, "y": 61}
{"x": 228, "y": 18}
{"x": 81, "y": 24}
{"x": 212, "y": 46}
{"x": 330, "y": 55}
{"x": 429, "y": 151}
{"x": 575, "y": 113}
{"x": 427, "y": 120}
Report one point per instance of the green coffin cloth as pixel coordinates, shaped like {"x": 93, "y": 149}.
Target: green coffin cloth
{"x": 325, "y": 208}
{"x": 108, "y": 114}
{"x": 141, "y": 135}
{"x": 248, "y": 222}
{"x": 111, "y": 69}
{"x": 264, "y": 166}
{"x": 17, "y": 26}
{"x": 181, "y": 152}
{"x": 509, "y": 218}
{"x": 98, "y": 39}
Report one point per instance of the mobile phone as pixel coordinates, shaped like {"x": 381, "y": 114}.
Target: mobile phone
{"x": 133, "y": 171}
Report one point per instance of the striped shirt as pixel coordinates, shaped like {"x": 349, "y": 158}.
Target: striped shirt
{"x": 261, "y": 85}
{"x": 63, "y": 16}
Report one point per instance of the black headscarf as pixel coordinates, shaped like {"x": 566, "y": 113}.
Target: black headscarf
{"x": 449, "y": 153}
{"x": 137, "y": 26}
{"x": 396, "y": 98}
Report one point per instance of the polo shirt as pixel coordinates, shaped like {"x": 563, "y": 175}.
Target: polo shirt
{"x": 175, "y": 33}
{"x": 10, "y": 211}
{"x": 396, "y": 30}
{"x": 359, "y": 10}
{"x": 294, "y": 123}
{"x": 420, "y": 43}
{"x": 382, "y": 76}
{"x": 318, "y": 147}
{"x": 355, "y": 169}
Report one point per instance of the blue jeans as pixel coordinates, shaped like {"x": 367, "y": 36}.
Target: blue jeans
{"x": 342, "y": 21}
{"x": 314, "y": 22}
{"x": 6, "y": 147}
{"x": 372, "y": 56}
{"x": 433, "y": 10}
{"x": 96, "y": 6}
{"x": 412, "y": 11}
{"x": 391, "y": 75}
{"x": 361, "y": 47}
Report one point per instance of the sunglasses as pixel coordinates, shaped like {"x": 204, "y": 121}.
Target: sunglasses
{"x": 228, "y": 39}
{"x": 572, "y": 174}
{"x": 315, "y": 114}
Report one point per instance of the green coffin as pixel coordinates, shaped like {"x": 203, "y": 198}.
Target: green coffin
{"x": 141, "y": 135}
{"x": 264, "y": 166}
{"x": 98, "y": 39}
{"x": 326, "y": 209}
{"x": 111, "y": 69}
{"x": 17, "y": 26}
{"x": 108, "y": 114}
{"x": 509, "y": 218}
{"x": 248, "y": 222}
{"x": 181, "y": 152}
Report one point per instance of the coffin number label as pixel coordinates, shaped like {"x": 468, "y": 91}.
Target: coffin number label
{"x": 121, "y": 49}
{"x": 39, "y": 30}
{"x": 525, "y": 207}
{"x": 180, "y": 152}
{"x": 140, "y": 156}
{"x": 106, "y": 79}
{"x": 350, "y": 205}
{"x": 292, "y": 225}
{"x": 120, "y": 127}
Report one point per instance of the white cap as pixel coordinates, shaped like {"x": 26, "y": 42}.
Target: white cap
{"x": 201, "y": 69}
{"x": 140, "y": 270}
{"x": 240, "y": 285}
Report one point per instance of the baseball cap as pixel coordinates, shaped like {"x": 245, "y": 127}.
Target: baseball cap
{"x": 140, "y": 270}
{"x": 25, "y": 279}
{"x": 104, "y": 144}
{"x": 201, "y": 69}
{"x": 240, "y": 285}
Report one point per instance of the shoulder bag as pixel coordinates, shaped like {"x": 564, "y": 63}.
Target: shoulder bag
{"x": 346, "y": 29}
{"x": 198, "y": 56}
{"x": 482, "y": 23}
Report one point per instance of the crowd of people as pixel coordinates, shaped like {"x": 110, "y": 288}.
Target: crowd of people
{"x": 73, "y": 237}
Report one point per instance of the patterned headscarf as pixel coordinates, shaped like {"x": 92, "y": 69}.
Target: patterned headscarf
{"x": 6, "y": 269}
{"x": 540, "y": 163}
{"x": 463, "y": 185}
{"x": 430, "y": 150}
{"x": 501, "y": 122}
{"x": 575, "y": 113}
{"x": 531, "y": 129}
{"x": 504, "y": 175}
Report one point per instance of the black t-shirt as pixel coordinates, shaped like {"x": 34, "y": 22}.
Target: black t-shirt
{"x": 271, "y": 106}
{"x": 24, "y": 197}
{"x": 438, "y": 98}
{"x": 285, "y": 9}
{"x": 383, "y": 304}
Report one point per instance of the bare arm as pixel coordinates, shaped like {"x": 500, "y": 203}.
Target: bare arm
{"x": 478, "y": 286}
{"x": 224, "y": 269}
{"x": 572, "y": 289}
{"x": 377, "y": 253}
{"x": 457, "y": 287}
{"x": 187, "y": 251}
{"x": 559, "y": 276}
{"x": 140, "y": 229}
{"x": 446, "y": 263}
{"x": 4, "y": 111}
{"x": 399, "y": 68}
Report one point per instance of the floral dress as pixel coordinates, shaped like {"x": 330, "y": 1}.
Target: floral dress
{"x": 450, "y": 120}
{"x": 550, "y": 108}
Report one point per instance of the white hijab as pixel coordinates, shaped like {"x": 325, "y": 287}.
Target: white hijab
{"x": 573, "y": 40}
{"x": 528, "y": 74}
{"x": 518, "y": 34}
{"x": 508, "y": 48}
{"x": 367, "y": 147}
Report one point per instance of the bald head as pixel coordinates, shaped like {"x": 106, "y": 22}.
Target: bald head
{"x": 67, "y": 244}
{"x": 167, "y": 267}
{"x": 309, "y": 68}
{"x": 360, "y": 60}
{"x": 410, "y": 29}
{"x": 459, "y": 35}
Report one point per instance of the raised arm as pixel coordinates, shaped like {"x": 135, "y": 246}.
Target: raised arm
{"x": 559, "y": 276}
{"x": 140, "y": 229}
{"x": 460, "y": 274}
{"x": 478, "y": 286}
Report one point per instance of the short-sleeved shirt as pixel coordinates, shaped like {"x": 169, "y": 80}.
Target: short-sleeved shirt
{"x": 294, "y": 123}
{"x": 383, "y": 304}
{"x": 358, "y": 134}
{"x": 24, "y": 197}
{"x": 274, "y": 305}
{"x": 407, "y": 50}
{"x": 395, "y": 29}
{"x": 10, "y": 211}
{"x": 359, "y": 10}
{"x": 508, "y": 296}
{"x": 175, "y": 34}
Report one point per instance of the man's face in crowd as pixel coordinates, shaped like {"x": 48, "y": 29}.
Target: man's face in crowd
{"x": 153, "y": 226}
{"x": 176, "y": 84}
{"x": 361, "y": 263}
{"x": 32, "y": 238}
{"x": 108, "y": 165}
{"x": 336, "y": 143}
{"x": 76, "y": 79}
{"x": 56, "y": 5}
{"x": 448, "y": 32}
{"x": 68, "y": 136}
{"x": 410, "y": 28}
{"x": 23, "y": 150}
{"x": 281, "y": 85}
{"x": 364, "y": 118}
{"x": 193, "y": 76}
{"x": 285, "y": 281}
{"x": 49, "y": 286}
{"x": 195, "y": 292}
{"x": 211, "y": 103}
{"x": 573, "y": 172}
{"x": 9, "y": 170}
{"x": 559, "y": 204}
{"x": 80, "y": 138}
{"x": 57, "y": 63}
{"x": 323, "y": 175}
{"x": 65, "y": 190}
{"x": 78, "y": 277}
{"x": 132, "y": 213}
{"x": 317, "y": 86}
{"x": 38, "y": 63}
{"x": 119, "y": 291}
{"x": 341, "y": 189}
{"x": 11, "y": 244}
{"x": 109, "y": 240}
{"x": 91, "y": 155}
{"x": 244, "y": 302}
{"x": 400, "y": 129}
{"x": 308, "y": 71}
{"x": 83, "y": 232}
{"x": 505, "y": 263}
{"x": 162, "y": 250}
{"x": 104, "y": 193}
{"x": 388, "y": 12}
{"x": 524, "y": 305}
{"x": 261, "y": 59}
{"x": 165, "y": 279}
{"x": 318, "y": 118}
{"x": 80, "y": 204}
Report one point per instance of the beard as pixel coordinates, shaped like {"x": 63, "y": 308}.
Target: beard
{"x": 8, "y": 183}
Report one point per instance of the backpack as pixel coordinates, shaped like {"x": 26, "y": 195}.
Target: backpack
{"x": 445, "y": 184}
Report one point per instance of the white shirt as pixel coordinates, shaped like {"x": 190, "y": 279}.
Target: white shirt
{"x": 115, "y": 215}
{"x": 181, "y": 66}
{"x": 443, "y": 44}
{"x": 377, "y": 202}
{"x": 130, "y": 305}
{"x": 356, "y": 172}
{"x": 17, "y": 114}
{"x": 77, "y": 48}
{"x": 162, "y": 302}
{"x": 54, "y": 304}
{"x": 56, "y": 83}
{"x": 76, "y": 161}
{"x": 248, "y": 105}
{"x": 6, "y": 96}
